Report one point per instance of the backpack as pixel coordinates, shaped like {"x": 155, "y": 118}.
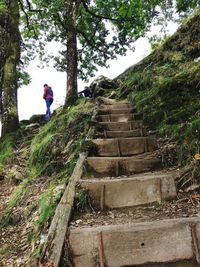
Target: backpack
{"x": 49, "y": 92}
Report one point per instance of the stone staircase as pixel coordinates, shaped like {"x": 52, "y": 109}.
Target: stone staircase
{"x": 122, "y": 171}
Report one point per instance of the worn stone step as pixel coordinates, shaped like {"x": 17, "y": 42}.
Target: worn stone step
{"x": 136, "y": 244}
{"x": 117, "y": 166}
{"x": 104, "y": 111}
{"x": 115, "y": 106}
{"x": 118, "y": 117}
{"x": 123, "y": 146}
{"x": 121, "y": 126}
{"x": 122, "y": 134}
{"x": 131, "y": 191}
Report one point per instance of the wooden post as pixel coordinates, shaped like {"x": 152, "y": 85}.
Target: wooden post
{"x": 52, "y": 250}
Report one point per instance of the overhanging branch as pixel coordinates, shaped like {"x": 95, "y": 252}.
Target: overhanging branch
{"x": 122, "y": 19}
{"x": 30, "y": 7}
{"x": 25, "y": 13}
{"x": 97, "y": 15}
{"x": 90, "y": 42}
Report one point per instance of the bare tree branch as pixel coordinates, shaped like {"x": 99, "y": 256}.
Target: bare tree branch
{"x": 25, "y": 13}
{"x": 30, "y": 7}
{"x": 61, "y": 21}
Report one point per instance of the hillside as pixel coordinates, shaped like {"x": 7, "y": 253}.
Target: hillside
{"x": 165, "y": 87}
{"x": 36, "y": 162}
{"x": 35, "y": 166}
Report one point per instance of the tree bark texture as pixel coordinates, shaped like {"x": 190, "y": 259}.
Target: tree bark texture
{"x": 3, "y": 49}
{"x": 9, "y": 57}
{"x": 70, "y": 25}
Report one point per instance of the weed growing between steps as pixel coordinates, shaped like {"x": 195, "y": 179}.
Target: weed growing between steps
{"x": 83, "y": 201}
{"x": 165, "y": 87}
{"x": 49, "y": 159}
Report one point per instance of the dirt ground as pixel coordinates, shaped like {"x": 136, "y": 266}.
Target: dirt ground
{"x": 185, "y": 205}
{"x": 15, "y": 239}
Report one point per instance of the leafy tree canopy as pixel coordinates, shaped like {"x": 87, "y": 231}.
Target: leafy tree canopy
{"x": 105, "y": 29}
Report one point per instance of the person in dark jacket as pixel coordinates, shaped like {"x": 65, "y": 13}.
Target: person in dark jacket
{"x": 48, "y": 97}
{"x": 86, "y": 92}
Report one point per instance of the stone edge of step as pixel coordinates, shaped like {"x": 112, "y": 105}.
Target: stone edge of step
{"x": 138, "y": 225}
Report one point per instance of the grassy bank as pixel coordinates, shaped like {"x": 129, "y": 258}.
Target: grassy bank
{"x": 165, "y": 87}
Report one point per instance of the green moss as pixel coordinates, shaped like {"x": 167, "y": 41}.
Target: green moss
{"x": 5, "y": 249}
{"x": 2, "y": 6}
{"x": 18, "y": 194}
{"x": 46, "y": 206}
{"x": 6, "y": 148}
{"x": 52, "y": 152}
{"x": 49, "y": 143}
{"x": 165, "y": 88}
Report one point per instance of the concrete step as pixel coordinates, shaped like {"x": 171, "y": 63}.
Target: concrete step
{"x": 123, "y": 146}
{"x": 117, "y": 166}
{"x": 121, "y": 126}
{"x": 104, "y": 111}
{"x": 122, "y": 134}
{"x": 131, "y": 191}
{"x": 136, "y": 244}
{"x": 118, "y": 117}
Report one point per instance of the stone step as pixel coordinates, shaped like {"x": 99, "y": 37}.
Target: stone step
{"x": 121, "y": 126}
{"x": 136, "y": 244}
{"x": 104, "y": 111}
{"x": 122, "y": 134}
{"x": 122, "y": 146}
{"x": 131, "y": 191}
{"x": 117, "y": 166}
{"x": 116, "y": 106}
{"x": 118, "y": 117}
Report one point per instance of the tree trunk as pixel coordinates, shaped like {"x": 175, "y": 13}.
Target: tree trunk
{"x": 8, "y": 75}
{"x": 3, "y": 50}
{"x": 70, "y": 23}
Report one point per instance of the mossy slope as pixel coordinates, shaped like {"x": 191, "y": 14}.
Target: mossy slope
{"x": 47, "y": 162}
{"x": 165, "y": 87}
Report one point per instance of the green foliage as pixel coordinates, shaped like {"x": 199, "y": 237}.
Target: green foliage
{"x": 101, "y": 36}
{"x": 82, "y": 200}
{"x": 184, "y": 5}
{"x": 6, "y": 148}
{"x": 46, "y": 206}
{"x": 18, "y": 194}
{"x": 2, "y": 6}
{"x": 24, "y": 78}
{"x": 49, "y": 143}
{"x": 50, "y": 154}
{"x": 165, "y": 88}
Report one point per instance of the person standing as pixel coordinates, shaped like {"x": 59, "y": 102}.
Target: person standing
{"x": 48, "y": 97}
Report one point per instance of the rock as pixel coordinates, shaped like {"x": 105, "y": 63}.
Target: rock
{"x": 102, "y": 85}
{"x": 32, "y": 125}
{"x": 39, "y": 118}
{"x": 59, "y": 189}
{"x": 14, "y": 174}
{"x": 43, "y": 239}
{"x": 197, "y": 59}
{"x": 78, "y": 221}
